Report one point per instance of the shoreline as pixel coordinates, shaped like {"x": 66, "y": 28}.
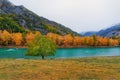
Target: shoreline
{"x": 70, "y": 47}
{"x": 66, "y": 47}
{"x": 13, "y": 46}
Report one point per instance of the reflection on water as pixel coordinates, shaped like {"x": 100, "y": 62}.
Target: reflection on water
{"x": 63, "y": 53}
{"x": 10, "y": 50}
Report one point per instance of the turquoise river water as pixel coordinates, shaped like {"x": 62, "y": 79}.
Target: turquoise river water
{"x": 63, "y": 53}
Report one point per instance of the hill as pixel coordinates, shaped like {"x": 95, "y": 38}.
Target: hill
{"x": 113, "y": 31}
{"x": 19, "y": 18}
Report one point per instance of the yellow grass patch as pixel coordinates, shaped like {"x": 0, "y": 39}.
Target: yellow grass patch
{"x": 105, "y": 68}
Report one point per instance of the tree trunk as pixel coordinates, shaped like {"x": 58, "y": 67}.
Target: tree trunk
{"x": 43, "y": 57}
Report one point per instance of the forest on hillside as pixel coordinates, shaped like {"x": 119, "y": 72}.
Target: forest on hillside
{"x": 18, "y": 23}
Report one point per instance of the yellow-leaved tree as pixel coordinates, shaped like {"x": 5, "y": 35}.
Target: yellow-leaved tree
{"x": 5, "y": 37}
{"x": 17, "y": 38}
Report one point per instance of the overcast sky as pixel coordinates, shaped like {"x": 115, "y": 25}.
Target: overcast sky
{"x": 79, "y": 15}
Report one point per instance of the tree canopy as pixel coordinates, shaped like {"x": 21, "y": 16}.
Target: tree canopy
{"x": 41, "y": 46}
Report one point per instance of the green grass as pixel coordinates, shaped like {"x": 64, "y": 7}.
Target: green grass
{"x": 99, "y": 68}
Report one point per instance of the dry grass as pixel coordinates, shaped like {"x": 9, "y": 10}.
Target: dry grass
{"x": 101, "y": 68}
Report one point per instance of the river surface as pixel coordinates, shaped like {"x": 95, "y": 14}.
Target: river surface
{"x": 62, "y": 53}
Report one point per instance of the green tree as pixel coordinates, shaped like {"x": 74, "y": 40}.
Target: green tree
{"x": 85, "y": 41}
{"x": 41, "y": 46}
{"x": 95, "y": 39}
{"x": 108, "y": 42}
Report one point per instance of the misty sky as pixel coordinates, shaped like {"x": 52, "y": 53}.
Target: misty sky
{"x": 79, "y": 15}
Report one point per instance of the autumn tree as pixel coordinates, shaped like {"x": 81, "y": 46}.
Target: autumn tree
{"x": 24, "y": 34}
{"x": 37, "y": 33}
{"x": 53, "y": 37}
{"x": 5, "y": 37}
{"x": 0, "y": 37}
{"x": 91, "y": 41}
{"x": 30, "y": 37}
{"x": 77, "y": 41}
{"x": 17, "y": 38}
{"x": 68, "y": 40}
{"x": 60, "y": 40}
{"x": 100, "y": 41}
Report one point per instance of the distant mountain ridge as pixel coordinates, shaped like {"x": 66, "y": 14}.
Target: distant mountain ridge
{"x": 27, "y": 20}
{"x": 89, "y": 33}
{"x": 113, "y": 31}
{"x": 110, "y": 32}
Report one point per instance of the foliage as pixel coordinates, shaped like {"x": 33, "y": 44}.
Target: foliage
{"x": 95, "y": 39}
{"x": 77, "y": 41}
{"x": 41, "y": 46}
{"x": 7, "y": 23}
{"x": 30, "y": 37}
{"x": 21, "y": 23}
{"x": 17, "y": 38}
{"x": 68, "y": 40}
{"x": 5, "y": 37}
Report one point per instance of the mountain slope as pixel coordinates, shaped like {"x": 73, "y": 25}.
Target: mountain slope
{"x": 113, "y": 31}
{"x": 7, "y": 23}
{"x": 30, "y": 21}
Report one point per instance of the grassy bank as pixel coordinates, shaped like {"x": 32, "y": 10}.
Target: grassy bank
{"x": 105, "y": 68}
